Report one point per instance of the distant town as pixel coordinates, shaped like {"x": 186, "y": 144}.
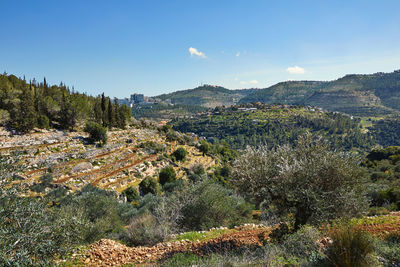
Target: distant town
{"x": 137, "y": 99}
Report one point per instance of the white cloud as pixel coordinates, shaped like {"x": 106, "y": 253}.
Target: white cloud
{"x": 238, "y": 54}
{"x": 296, "y": 70}
{"x": 194, "y": 51}
{"x": 242, "y": 82}
{"x": 253, "y": 82}
{"x": 236, "y": 78}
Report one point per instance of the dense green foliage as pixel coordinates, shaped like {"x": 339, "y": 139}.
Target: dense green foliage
{"x": 131, "y": 193}
{"x": 163, "y": 111}
{"x": 167, "y": 175}
{"x": 384, "y": 169}
{"x": 386, "y": 131}
{"x": 24, "y": 106}
{"x": 149, "y": 185}
{"x": 97, "y": 133}
{"x": 180, "y": 154}
{"x": 274, "y": 125}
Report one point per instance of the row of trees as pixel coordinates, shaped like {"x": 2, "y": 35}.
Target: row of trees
{"x": 24, "y": 106}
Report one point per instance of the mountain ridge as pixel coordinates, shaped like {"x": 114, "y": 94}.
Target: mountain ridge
{"x": 356, "y": 94}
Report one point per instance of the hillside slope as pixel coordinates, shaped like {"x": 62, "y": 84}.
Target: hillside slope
{"x": 361, "y": 95}
{"x": 208, "y": 96}
{"x": 273, "y": 125}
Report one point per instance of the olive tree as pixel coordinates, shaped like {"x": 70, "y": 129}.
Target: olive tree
{"x": 308, "y": 180}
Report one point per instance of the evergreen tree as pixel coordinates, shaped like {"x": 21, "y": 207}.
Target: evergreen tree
{"x": 110, "y": 114}
{"x": 103, "y": 110}
{"x": 68, "y": 114}
{"x": 26, "y": 117}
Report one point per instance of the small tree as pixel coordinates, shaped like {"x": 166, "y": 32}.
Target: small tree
{"x": 167, "y": 175}
{"x": 309, "y": 180}
{"x": 204, "y": 147}
{"x": 180, "y": 154}
{"x": 149, "y": 185}
{"x": 96, "y": 132}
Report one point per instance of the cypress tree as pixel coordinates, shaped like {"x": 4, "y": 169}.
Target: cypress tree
{"x": 110, "y": 114}
{"x": 103, "y": 110}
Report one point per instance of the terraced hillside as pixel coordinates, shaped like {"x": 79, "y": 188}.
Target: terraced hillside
{"x": 361, "y": 95}
{"x": 128, "y": 157}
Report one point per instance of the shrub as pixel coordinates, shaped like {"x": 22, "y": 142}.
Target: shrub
{"x": 131, "y": 193}
{"x": 143, "y": 230}
{"x": 180, "y": 154}
{"x": 389, "y": 250}
{"x": 167, "y": 175}
{"x": 303, "y": 243}
{"x": 350, "y": 247}
{"x": 102, "y": 210}
{"x": 149, "y": 185}
{"x": 204, "y": 147}
{"x": 33, "y": 235}
{"x": 196, "y": 173}
{"x": 97, "y": 133}
{"x": 43, "y": 122}
{"x": 209, "y": 204}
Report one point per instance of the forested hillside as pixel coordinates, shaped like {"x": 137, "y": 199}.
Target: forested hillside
{"x": 361, "y": 95}
{"x": 26, "y": 105}
{"x": 163, "y": 111}
{"x": 260, "y": 124}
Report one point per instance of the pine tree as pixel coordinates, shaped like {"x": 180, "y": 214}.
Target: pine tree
{"x": 26, "y": 118}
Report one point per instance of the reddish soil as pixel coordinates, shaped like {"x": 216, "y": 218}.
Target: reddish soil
{"x": 107, "y": 252}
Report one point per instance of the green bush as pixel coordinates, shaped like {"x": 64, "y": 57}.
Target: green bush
{"x": 43, "y": 122}
{"x": 143, "y": 230}
{"x": 303, "y": 243}
{"x": 210, "y": 204}
{"x": 102, "y": 209}
{"x": 97, "y": 133}
{"x": 196, "y": 173}
{"x": 32, "y": 234}
{"x": 149, "y": 185}
{"x": 350, "y": 247}
{"x": 131, "y": 193}
{"x": 180, "y": 154}
{"x": 167, "y": 175}
{"x": 204, "y": 147}
{"x": 389, "y": 250}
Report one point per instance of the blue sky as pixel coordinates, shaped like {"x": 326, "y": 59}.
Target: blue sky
{"x": 154, "y": 47}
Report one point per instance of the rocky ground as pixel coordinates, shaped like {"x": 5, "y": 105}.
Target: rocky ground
{"x": 125, "y": 160}
{"x": 107, "y": 252}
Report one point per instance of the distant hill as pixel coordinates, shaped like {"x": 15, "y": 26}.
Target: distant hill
{"x": 209, "y": 96}
{"x": 362, "y": 95}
